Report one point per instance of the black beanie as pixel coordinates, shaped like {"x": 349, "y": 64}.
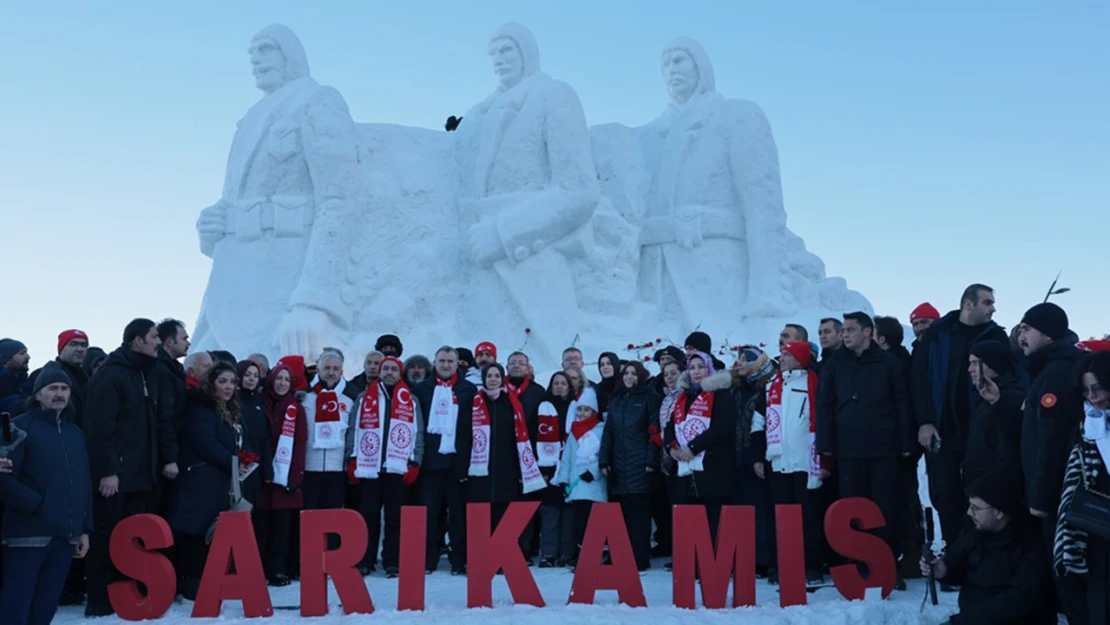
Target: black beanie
{"x": 1048, "y": 319}
{"x": 50, "y": 374}
{"x": 1000, "y": 489}
{"x": 995, "y": 355}
{"x": 465, "y": 355}
{"x": 700, "y": 341}
{"x": 389, "y": 340}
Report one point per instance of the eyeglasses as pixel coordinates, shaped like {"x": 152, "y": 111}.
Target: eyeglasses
{"x": 976, "y": 509}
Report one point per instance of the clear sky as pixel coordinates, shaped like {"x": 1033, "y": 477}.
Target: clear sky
{"x": 924, "y": 146}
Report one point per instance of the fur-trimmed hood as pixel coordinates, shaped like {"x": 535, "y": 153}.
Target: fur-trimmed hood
{"x": 719, "y": 381}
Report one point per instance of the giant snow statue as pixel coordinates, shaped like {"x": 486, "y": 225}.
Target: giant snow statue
{"x": 527, "y": 192}
{"x": 280, "y": 232}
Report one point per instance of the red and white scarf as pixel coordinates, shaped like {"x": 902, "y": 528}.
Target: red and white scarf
{"x": 548, "y": 444}
{"x": 589, "y": 443}
{"x": 479, "y": 449}
{"x": 444, "y": 413}
{"x": 690, "y": 425}
{"x": 402, "y": 432}
{"x": 774, "y": 425}
{"x": 283, "y": 454}
{"x": 330, "y": 421}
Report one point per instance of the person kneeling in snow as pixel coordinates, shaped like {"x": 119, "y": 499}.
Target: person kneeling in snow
{"x": 579, "y": 469}
{"x": 999, "y": 565}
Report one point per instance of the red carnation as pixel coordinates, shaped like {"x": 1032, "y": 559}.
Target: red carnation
{"x": 247, "y": 458}
{"x": 658, "y": 340}
{"x": 631, "y": 346}
{"x": 647, "y": 359}
{"x": 527, "y": 330}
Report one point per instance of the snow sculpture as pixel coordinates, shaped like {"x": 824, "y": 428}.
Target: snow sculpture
{"x": 527, "y": 193}
{"x": 279, "y": 235}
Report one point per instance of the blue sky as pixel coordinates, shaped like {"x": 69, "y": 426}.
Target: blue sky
{"x": 924, "y": 146}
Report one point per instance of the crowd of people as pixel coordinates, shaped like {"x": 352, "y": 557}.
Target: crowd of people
{"x": 1012, "y": 427}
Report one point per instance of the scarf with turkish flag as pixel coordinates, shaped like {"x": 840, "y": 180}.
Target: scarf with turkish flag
{"x": 775, "y": 426}
{"x": 330, "y": 427}
{"x": 688, "y": 425}
{"x": 402, "y": 431}
{"x": 548, "y": 445}
{"x": 479, "y": 449}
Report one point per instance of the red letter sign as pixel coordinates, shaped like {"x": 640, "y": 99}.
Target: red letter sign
{"x": 734, "y": 554}
{"x": 410, "y": 587}
{"x": 233, "y": 542}
{"x": 487, "y": 553}
{"x": 859, "y": 545}
{"x": 317, "y": 563}
{"x": 606, "y": 526}
{"x": 140, "y": 562}
{"x": 792, "y": 558}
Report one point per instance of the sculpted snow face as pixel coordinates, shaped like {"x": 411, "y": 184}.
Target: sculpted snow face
{"x": 285, "y": 211}
{"x": 527, "y": 190}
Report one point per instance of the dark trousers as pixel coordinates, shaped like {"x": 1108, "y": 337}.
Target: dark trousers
{"x": 387, "y": 492}
{"x": 192, "y": 554}
{"x": 34, "y": 578}
{"x": 441, "y": 491}
{"x": 324, "y": 490}
{"x": 947, "y": 491}
{"x": 912, "y": 533}
{"x": 636, "y": 510}
{"x": 790, "y": 488}
{"x": 557, "y": 531}
{"x": 107, "y": 513}
{"x": 877, "y": 479}
{"x": 273, "y": 530}
{"x": 661, "y": 512}
{"x": 581, "y": 511}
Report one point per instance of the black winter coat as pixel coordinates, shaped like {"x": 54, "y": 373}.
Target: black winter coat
{"x": 626, "y": 446}
{"x": 77, "y": 389}
{"x": 718, "y": 442}
{"x": 1052, "y": 412}
{"x": 172, "y": 403}
{"x": 203, "y": 488}
{"x": 258, "y": 441}
{"x": 942, "y": 391}
{"x": 503, "y": 484}
{"x": 994, "y": 437}
{"x": 121, "y": 421}
{"x": 1004, "y": 576}
{"x": 863, "y": 407}
{"x": 459, "y": 462}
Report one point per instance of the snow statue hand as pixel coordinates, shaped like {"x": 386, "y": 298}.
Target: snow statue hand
{"x": 211, "y": 227}
{"x": 484, "y": 245}
{"x": 688, "y": 227}
{"x": 306, "y": 331}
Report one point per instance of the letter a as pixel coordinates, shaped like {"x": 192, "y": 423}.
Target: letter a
{"x": 233, "y": 542}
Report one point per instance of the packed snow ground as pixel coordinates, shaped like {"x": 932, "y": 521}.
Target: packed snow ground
{"x": 445, "y": 600}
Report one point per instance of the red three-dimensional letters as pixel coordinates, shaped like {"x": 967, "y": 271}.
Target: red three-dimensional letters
{"x": 606, "y": 526}
{"x": 487, "y": 552}
{"x": 791, "y": 552}
{"x": 233, "y": 542}
{"x": 859, "y": 545}
{"x": 733, "y": 556}
{"x": 410, "y": 586}
{"x": 317, "y": 563}
{"x": 140, "y": 562}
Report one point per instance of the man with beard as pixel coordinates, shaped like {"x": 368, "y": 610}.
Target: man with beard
{"x": 943, "y": 399}
{"x": 72, "y": 346}
{"x": 446, "y": 399}
{"x": 371, "y": 369}
{"x": 921, "y": 319}
{"x": 13, "y": 373}
{"x": 122, "y": 433}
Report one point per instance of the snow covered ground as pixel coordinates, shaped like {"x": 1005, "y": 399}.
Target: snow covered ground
{"x": 445, "y": 598}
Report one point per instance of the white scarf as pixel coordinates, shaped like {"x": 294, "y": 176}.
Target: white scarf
{"x": 1095, "y": 429}
{"x": 444, "y": 414}
{"x": 400, "y": 447}
{"x": 283, "y": 455}
{"x": 588, "y": 448}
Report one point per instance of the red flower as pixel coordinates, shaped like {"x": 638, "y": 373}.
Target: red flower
{"x": 658, "y": 340}
{"x": 650, "y": 344}
{"x": 247, "y": 458}
{"x": 647, "y": 359}
{"x": 527, "y": 330}
{"x": 631, "y": 346}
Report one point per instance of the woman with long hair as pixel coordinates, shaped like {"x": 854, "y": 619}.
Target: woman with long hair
{"x": 629, "y": 455}
{"x": 607, "y": 366}
{"x": 258, "y": 428}
{"x": 281, "y": 498}
{"x": 213, "y": 436}
{"x": 556, "y": 517}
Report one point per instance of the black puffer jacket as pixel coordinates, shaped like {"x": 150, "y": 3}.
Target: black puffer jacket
{"x": 172, "y": 404}
{"x": 121, "y": 421}
{"x": 1052, "y": 412}
{"x": 626, "y": 446}
{"x": 863, "y": 408}
{"x": 994, "y": 436}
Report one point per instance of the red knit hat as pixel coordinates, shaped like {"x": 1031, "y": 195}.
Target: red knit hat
{"x": 924, "y": 311}
{"x": 69, "y": 335}
{"x": 800, "y": 351}
{"x": 485, "y": 347}
{"x": 400, "y": 364}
